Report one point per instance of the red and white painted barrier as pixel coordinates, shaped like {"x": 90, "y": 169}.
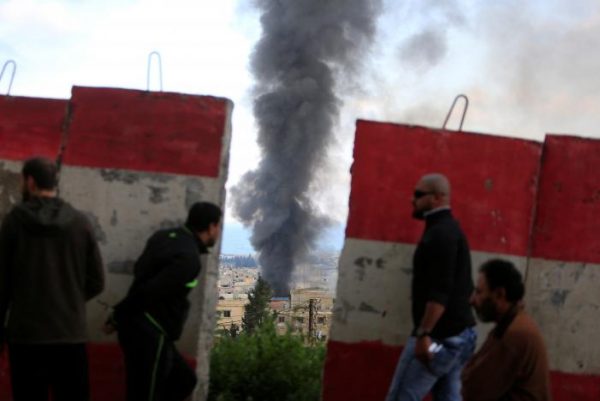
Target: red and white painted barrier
{"x": 28, "y": 126}
{"x": 494, "y": 196}
{"x": 564, "y": 269}
{"x": 134, "y": 161}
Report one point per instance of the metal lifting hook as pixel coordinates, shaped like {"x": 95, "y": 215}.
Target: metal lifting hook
{"x": 154, "y": 53}
{"x": 462, "y": 120}
{"x": 12, "y": 77}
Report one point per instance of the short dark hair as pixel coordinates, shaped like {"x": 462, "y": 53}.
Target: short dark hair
{"x": 202, "y": 215}
{"x": 503, "y": 274}
{"x": 43, "y": 171}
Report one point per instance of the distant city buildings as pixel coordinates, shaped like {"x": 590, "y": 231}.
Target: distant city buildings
{"x": 306, "y": 311}
{"x": 230, "y": 312}
{"x": 309, "y": 313}
{"x": 236, "y": 282}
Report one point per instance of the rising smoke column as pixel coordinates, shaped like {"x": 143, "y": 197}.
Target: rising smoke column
{"x": 429, "y": 45}
{"x": 306, "y": 46}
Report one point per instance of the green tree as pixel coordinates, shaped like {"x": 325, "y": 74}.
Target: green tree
{"x": 264, "y": 366}
{"x": 256, "y": 312}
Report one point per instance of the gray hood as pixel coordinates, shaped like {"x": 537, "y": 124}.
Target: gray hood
{"x": 45, "y": 214}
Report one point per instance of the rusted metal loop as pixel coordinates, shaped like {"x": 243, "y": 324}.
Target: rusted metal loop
{"x": 12, "y": 77}
{"x": 462, "y": 120}
{"x": 154, "y": 53}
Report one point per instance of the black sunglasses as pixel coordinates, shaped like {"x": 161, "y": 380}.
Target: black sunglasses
{"x": 419, "y": 194}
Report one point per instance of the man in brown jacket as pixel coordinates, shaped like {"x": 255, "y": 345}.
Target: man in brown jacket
{"x": 512, "y": 364}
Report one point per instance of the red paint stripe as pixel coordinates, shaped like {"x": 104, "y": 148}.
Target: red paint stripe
{"x": 493, "y": 180}
{"x": 5, "y": 390}
{"x": 359, "y": 372}
{"x": 570, "y": 387}
{"x": 363, "y": 371}
{"x": 30, "y": 127}
{"x": 567, "y": 222}
{"x": 107, "y": 372}
{"x": 146, "y": 131}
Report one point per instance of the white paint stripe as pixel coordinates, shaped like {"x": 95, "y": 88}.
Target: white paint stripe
{"x": 127, "y": 207}
{"x": 10, "y": 181}
{"x": 11, "y": 165}
{"x": 373, "y": 293}
{"x": 373, "y": 301}
{"x": 564, "y": 299}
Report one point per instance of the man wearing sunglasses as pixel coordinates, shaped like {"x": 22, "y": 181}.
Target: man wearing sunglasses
{"x": 443, "y": 337}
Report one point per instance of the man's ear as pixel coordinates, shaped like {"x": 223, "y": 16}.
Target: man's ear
{"x": 439, "y": 197}
{"x": 500, "y": 293}
{"x": 31, "y": 185}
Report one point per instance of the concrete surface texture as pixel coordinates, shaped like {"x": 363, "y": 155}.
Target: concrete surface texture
{"x": 528, "y": 202}
{"x": 133, "y": 161}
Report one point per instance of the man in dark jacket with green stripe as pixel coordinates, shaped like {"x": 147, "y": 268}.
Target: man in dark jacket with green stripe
{"x": 50, "y": 266}
{"x": 152, "y": 315}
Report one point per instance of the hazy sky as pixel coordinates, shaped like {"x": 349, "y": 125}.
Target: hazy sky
{"x": 528, "y": 67}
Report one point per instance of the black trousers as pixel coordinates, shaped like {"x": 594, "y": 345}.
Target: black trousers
{"x": 38, "y": 370}
{"x": 156, "y": 371}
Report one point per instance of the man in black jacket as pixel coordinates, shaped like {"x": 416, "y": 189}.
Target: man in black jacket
{"x": 443, "y": 337}
{"x": 152, "y": 315}
{"x": 50, "y": 266}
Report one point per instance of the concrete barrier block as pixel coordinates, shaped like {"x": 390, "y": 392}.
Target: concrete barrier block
{"x": 28, "y": 127}
{"x": 135, "y": 162}
{"x": 494, "y": 183}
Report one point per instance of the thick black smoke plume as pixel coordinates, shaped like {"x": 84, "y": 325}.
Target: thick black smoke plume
{"x": 306, "y": 47}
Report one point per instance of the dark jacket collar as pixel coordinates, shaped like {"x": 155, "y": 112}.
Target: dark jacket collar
{"x": 201, "y": 247}
{"x": 437, "y": 216}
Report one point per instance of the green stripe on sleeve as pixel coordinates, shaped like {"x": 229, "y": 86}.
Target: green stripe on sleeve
{"x": 192, "y": 284}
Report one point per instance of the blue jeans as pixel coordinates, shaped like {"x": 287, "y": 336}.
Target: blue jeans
{"x": 413, "y": 380}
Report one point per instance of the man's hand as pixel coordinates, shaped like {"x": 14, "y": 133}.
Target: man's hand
{"x": 108, "y": 328}
{"x": 110, "y": 325}
{"x": 422, "y": 350}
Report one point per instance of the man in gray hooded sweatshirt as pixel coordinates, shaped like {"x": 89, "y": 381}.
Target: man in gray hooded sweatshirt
{"x": 50, "y": 266}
